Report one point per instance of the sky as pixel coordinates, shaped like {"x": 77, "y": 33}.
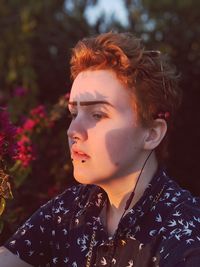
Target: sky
{"x": 109, "y": 7}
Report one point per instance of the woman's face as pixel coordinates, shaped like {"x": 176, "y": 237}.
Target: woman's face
{"x": 105, "y": 127}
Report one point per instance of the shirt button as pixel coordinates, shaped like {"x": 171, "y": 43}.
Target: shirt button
{"x": 105, "y": 248}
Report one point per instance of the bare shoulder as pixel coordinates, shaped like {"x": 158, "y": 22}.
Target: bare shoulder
{"x": 8, "y": 259}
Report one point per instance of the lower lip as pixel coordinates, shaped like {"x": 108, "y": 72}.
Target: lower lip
{"x": 77, "y": 156}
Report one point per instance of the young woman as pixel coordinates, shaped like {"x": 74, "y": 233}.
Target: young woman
{"x": 125, "y": 211}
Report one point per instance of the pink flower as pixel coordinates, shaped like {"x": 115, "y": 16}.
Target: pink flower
{"x": 39, "y": 115}
{"x": 20, "y": 130}
{"x": 26, "y": 152}
{"x": 39, "y": 111}
{"x": 29, "y": 125}
{"x": 20, "y": 91}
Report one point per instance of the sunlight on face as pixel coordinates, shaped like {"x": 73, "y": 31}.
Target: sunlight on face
{"x": 105, "y": 127}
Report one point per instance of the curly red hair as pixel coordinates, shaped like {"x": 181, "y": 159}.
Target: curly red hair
{"x": 148, "y": 75}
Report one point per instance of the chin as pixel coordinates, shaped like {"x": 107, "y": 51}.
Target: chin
{"x": 87, "y": 179}
{"x": 82, "y": 178}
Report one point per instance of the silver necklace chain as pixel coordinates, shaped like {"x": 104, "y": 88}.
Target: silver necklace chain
{"x": 92, "y": 242}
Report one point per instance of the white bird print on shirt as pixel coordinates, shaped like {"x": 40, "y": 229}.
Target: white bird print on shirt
{"x": 23, "y": 232}
{"x": 130, "y": 263}
{"x": 47, "y": 217}
{"x": 61, "y": 202}
{"x": 194, "y": 200}
{"x": 180, "y": 221}
{"x": 172, "y": 223}
{"x": 103, "y": 261}
{"x": 64, "y": 231}
{"x": 178, "y": 237}
{"x": 197, "y": 219}
{"x": 42, "y": 229}
{"x": 76, "y": 221}
{"x": 187, "y": 232}
{"x": 29, "y": 225}
{"x": 198, "y": 238}
{"x": 162, "y": 249}
{"x": 152, "y": 232}
{"x": 158, "y": 218}
{"x": 174, "y": 199}
{"x": 113, "y": 260}
{"x": 57, "y": 210}
{"x": 28, "y": 242}
{"x": 154, "y": 259}
{"x": 30, "y": 252}
{"x": 59, "y": 219}
{"x": 137, "y": 228}
{"x": 141, "y": 246}
{"x": 177, "y": 213}
{"x": 66, "y": 211}
{"x": 189, "y": 241}
{"x": 66, "y": 260}
{"x": 55, "y": 260}
{"x": 53, "y": 232}
{"x": 162, "y": 229}
{"x": 191, "y": 223}
{"x": 178, "y": 194}
{"x": 13, "y": 242}
{"x": 132, "y": 237}
{"x": 167, "y": 195}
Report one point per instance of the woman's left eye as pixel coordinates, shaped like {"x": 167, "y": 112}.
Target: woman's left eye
{"x": 98, "y": 116}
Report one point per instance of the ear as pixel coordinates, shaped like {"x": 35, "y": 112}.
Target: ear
{"x": 155, "y": 134}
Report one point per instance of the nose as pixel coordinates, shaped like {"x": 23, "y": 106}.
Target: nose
{"x": 77, "y": 130}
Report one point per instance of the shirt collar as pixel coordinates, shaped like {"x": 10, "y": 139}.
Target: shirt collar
{"x": 149, "y": 199}
{"x": 94, "y": 199}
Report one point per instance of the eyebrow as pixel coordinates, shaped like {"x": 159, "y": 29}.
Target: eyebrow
{"x": 89, "y": 103}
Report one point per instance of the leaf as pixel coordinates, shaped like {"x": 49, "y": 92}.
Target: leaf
{"x": 15, "y": 167}
{"x": 1, "y": 226}
{"x": 2, "y": 205}
{"x": 5, "y": 189}
{"x": 21, "y": 176}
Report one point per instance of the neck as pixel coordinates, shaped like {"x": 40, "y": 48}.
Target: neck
{"x": 119, "y": 191}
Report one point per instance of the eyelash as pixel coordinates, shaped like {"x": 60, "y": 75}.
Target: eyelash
{"x": 97, "y": 116}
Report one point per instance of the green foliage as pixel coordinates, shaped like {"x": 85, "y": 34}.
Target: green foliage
{"x": 36, "y": 37}
{"x": 5, "y": 193}
{"x": 173, "y": 28}
{"x": 2, "y": 206}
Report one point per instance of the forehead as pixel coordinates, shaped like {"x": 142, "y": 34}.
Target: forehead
{"x": 100, "y": 85}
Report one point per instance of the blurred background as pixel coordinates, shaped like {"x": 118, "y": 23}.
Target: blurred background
{"x": 35, "y": 47}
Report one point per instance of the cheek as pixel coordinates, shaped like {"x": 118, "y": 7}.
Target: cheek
{"x": 120, "y": 144}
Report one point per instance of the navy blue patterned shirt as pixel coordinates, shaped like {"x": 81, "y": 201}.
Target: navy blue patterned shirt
{"x": 161, "y": 229}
